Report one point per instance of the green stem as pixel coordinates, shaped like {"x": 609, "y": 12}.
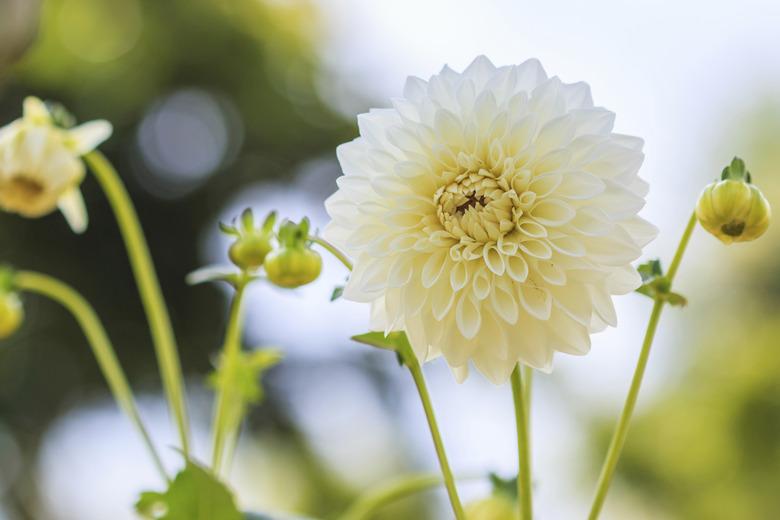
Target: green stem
{"x": 449, "y": 479}
{"x": 149, "y": 289}
{"x": 332, "y": 250}
{"x": 365, "y": 506}
{"x": 98, "y": 341}
{"x": 621, "y": 430}
{"x": 222, "y": 424}
{"x": 523, "y": 445}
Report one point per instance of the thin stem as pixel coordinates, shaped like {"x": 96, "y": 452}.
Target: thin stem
{"x": 231, "y": 349}
{"x": 523, "y": 445}
{"x": 332, "y": 250}
{"x": 686, "y": 237}
{"x": 365, "y": 506}
{"x": 148, "y": 288}
{"x": 100, "y": 344}
{"x": 621, "y": 430}
{"x": 425, "y": 398}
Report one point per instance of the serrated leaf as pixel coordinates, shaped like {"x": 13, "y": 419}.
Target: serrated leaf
{"x": 650, "y": 270}
{"x": 195, "y": 494}
{"x": 338, "y": 292}
{"x": 241, "y": 381}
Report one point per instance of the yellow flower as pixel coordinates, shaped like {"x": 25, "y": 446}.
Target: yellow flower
{"x": 733, "y": 209}
{"x": 41, "y": 167}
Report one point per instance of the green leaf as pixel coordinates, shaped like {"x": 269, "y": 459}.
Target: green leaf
{"x": 338, "y": 291}
{"x": 650, "y": 269}
{"x": 241, "y": 380}
{"x": 215, "y": 273}
{"x": 676, "y": 300}
{"x": 195, "y": 494}
{"x": 395, "y": 341}
{"x": 504, "y": 486}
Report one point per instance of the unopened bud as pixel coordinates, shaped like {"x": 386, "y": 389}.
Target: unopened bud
{"x": 252, "y": 243}
{"x": 497, "y": 507}
{"x": 733, "y": 209}
{"x": 294, "y": 263}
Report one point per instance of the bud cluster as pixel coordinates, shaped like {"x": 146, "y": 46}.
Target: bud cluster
{"x": 285, "y": 254}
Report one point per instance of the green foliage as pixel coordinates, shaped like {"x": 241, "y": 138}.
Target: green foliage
{"x": 242, "y": 378}
{"x": 195, "y": 494}
{"x": 657, "y": 286}
{"x": 395, "y": 341}
{"x": 736, "y": 171}
{"x": 337, "y": 293}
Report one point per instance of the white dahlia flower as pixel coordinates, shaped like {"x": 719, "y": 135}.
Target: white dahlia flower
{"x": 492, "y": 215}
{"x": 41, "y": 167}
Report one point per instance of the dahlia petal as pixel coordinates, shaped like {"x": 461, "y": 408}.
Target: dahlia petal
{"x": 494, "y": 260}
{"x": 537, "y": 301}
{"x": 467, "y": 316}
{"x": 72, "y": 206}
{"x": 552, "y": 212}
{"x": 504, "y": 303}
{"x": 86, "y": 137}
{"x": 517, "y": 268}
{"x": 577, "y": 95}
{"x": 459, "y": 276}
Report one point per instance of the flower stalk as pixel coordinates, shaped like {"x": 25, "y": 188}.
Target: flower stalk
{"x": 449, "y": 479}
{"x": 222, "y": 426}
{"x": 99, "y": 342}
{"x": 330, "y": 248}
{"x": 621, "y": 430}
{"x": 148, "y": 288}
{"x": 521, "y": 395}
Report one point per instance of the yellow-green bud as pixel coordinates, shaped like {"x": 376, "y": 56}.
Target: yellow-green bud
{"x": 733, "y": 209}
{"x": 497, "y": 507}
{"x": 294, "y": 264}
{"x": 252, "y": 244}
{"x": 11, "y": 314}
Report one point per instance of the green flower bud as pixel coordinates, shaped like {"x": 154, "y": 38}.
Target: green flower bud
{"x": 11, "y": 314}
{"x": 252, "y": 244}
{"x": 497, "y": 507}
{"x": 294, "y": 264}
{"x": 733, "y": 209}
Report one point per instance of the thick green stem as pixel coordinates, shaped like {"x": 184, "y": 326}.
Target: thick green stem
{"x": 621, "y": 431}
{"x": 222, "y": 423}
{"x": 333, "y": 250}
{"x": 446, "y": 471}
{"x": 524, "y": 493}
{"x": 149, "y": 289}
{"x": 98, "y": 341}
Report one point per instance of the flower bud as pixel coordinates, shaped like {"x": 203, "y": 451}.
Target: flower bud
{"x": 252, "y": 244}
{"x": 11, "y": 314}
{"x": 497, "y": 507}
{"x": 294, "y": 264}
{"x": 733, "y": 209}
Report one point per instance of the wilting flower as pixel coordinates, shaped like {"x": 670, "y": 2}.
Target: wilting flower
{"x": 491, "y": 214}
{"x": 40, "y": 165}
{"x": 733, "y": 209}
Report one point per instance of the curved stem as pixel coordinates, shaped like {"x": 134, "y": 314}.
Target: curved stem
{"x": 365, "y": 506}
{"x": 523, "y": 445}
{"x": 449, "y": 479}
{"x": 149, "y": 289}
{"x": 98, "y": 341}
{"x": 621, "y": 430}
{"x": 222, "y": 423}
{"x": 332, "y": 250}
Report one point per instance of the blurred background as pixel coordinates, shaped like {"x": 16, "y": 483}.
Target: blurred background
{"x": 222, "y": 104}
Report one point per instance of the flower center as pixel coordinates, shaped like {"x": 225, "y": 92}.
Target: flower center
{"x": 20, "y": 191}
{"x": 475, "y": 205}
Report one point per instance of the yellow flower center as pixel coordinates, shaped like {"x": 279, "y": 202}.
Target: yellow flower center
{"x": 20, "y": 191}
